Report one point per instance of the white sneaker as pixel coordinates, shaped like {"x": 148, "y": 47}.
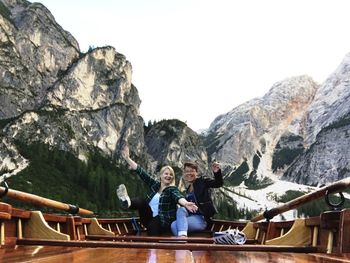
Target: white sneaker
{"x": 230, "y": 237}
{"x": 122, "y": 194}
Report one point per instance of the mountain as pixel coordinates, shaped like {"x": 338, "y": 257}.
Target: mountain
{"x": 297, "y": 132}
{"x": 326, "y": 155}
{"x": 254, "y": 128}
{"x": 51, "y": 92}
{"x": 67, "y": 114}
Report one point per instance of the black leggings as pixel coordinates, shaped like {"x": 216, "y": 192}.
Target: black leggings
{"x": 153, "y": 224}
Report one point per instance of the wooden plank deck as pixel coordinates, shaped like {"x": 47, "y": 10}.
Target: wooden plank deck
{"x": 77, "y": 255}
{"x": 59, "y": 254}
{"x": 265, "y": 257}
{"x": 169, "y": 246}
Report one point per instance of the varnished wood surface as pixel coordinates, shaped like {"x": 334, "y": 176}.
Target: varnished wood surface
{"x": 165, "y": 239}
{"x": 169, "y": 246}
{"x": 41, "y": 201}
{"x": 82, "y": 255}
{"x": 103, "y": 255}
{"x": 168, "y": 239}
{"x": 312, "y": 196}
{"x": 265, "y": 257}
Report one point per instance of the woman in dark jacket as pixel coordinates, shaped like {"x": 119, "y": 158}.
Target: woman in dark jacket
{"x": 198, "y": 192}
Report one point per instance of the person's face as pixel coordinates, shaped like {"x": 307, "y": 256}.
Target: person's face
{"x": 166, "y": 177}
{"x": 190, "y": 174}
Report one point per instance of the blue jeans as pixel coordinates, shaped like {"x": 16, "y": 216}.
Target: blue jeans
{"x": 186, "y": 222}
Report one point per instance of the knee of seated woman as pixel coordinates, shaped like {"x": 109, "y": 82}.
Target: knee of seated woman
{"x": 182, "y": 210}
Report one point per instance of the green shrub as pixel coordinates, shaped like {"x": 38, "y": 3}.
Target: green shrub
{"x": 5, "y": 12}
{"x": 59, "y": 175}
{"x": 284, "y": 157}
{"x": 237, "y": 176}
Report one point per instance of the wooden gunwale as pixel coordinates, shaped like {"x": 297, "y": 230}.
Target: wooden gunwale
{"x": 42, "y": 201}
{"x": 312, "y": 196}
{"x": 327, "y": 233}
{"x": 20, "y": 213}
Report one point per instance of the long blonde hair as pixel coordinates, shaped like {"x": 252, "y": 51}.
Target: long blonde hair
{"x": 171, "y": 172}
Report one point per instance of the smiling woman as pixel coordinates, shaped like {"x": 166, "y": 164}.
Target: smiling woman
{"x": 157, "y": 211}
{"x": 197, "y": 191}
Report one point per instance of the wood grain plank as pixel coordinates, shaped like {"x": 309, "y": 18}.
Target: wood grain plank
{"x": 82, "y": 255}
{"x": 263, "y": 257}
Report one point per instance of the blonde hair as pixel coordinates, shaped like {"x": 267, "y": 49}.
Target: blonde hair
{"x": 171, "y": 172}
{"x": 182, "y": 185}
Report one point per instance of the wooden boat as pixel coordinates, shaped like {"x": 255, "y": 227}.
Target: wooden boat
{"x": 33, "y": 236}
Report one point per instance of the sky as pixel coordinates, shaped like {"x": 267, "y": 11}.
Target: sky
{"x": 194, "y": 60}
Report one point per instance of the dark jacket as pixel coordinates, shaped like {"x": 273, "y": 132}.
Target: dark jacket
{"x": 201, "y": 188}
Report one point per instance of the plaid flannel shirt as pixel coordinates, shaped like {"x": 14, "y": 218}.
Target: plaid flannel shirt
{"x": 168, "y": 198}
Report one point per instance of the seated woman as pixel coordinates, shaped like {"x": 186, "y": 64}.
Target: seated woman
{"x": 158, "y": 209}
{"x": 198, "y": 192}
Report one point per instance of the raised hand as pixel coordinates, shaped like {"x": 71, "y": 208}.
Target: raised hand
{"x": 126, "y": 155}
{"x": 125, "y": 152}
{"x": 215, "y": 166}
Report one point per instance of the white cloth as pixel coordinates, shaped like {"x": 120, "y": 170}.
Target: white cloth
{"x": 154, "y": 204}
{"x": 231, "y": 237}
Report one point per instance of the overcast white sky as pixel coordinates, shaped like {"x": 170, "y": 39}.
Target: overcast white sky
{"x": 196, "y": 59}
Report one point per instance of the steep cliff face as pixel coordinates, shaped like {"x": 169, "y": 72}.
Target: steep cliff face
{"x": 331, "y": 103}
{"x": 327, "y": 155}
{"x": 34, "y": 52}
{"x": 52, "y": 93}
{"x": 253, "y": 129}
{"x": 326, "y": 161}
{"x": 172, "y": 142}
{"x": 298, "y": 132}
{"x": 11, "y": 162}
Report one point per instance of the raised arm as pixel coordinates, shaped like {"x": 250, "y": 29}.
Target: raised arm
{"x": 139, "y": 170}
{"x": 218, "y": 180}
{"x": 126, "y": 156}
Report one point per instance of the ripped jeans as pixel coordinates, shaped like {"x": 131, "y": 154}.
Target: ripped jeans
{"x": 186, "y": 222}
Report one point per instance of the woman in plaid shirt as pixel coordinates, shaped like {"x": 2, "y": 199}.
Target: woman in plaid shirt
{"x": 158, "y": 209}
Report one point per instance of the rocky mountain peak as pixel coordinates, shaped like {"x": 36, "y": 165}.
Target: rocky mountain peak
{"x": 99, "y": 79}
{"x": 331, "y": 101}
{"x": 52, "y": 93}
{"x": 257, "y": 125}
{"x": 35, "y": 52}
{"x": 172, "y": 142}
{"x": 326, "y": 156}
